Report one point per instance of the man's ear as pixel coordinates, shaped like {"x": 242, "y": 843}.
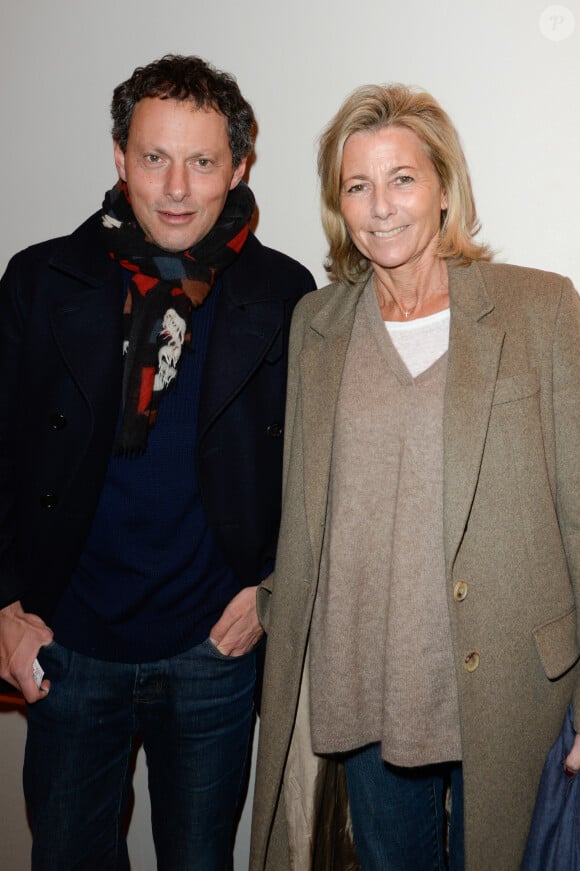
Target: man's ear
{"x": 238, "y": 175}
{"x": 119, "y": 160}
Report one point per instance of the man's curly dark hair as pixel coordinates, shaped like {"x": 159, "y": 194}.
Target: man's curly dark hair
{"x": 179, "y": 77}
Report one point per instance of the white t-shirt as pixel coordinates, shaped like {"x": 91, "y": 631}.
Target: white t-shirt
{"x": 422, "y": 341}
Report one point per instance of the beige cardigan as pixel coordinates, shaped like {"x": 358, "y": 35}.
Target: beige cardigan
{"x": 512, "y": 548}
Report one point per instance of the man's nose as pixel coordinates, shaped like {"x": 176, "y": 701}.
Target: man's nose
{"x": 177, "y": 182}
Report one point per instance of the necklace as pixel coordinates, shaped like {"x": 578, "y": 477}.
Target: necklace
{"x": 404, "y": 311}
{"x": 428, "y": 299}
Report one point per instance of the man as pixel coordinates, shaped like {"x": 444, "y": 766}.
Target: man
{"x": 143, "y": 364}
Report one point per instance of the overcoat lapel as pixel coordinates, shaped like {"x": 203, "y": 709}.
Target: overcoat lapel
{"x": 474, "y": 353}
{"x": 321, "y": 366}
{"x": 86, "y": 318}
{"x": 88, "y": 332}
{"x": 243, "y": 335}
{"x": 247, "y": 328}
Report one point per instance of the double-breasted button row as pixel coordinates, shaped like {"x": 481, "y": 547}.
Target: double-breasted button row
{"x": 57, "y": 420}
{"x": 48, "y": 499}
{"x": 274, "y": 430}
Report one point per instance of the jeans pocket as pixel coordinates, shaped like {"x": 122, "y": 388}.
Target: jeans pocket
{"x": 213, "y": 650}
{"x": 55, "y": 661}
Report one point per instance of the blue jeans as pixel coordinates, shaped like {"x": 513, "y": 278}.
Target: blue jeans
{"x": 194, "y": 714}
{"x": 398, "y": 814}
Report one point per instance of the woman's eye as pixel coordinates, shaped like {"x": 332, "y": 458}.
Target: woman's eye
{"x": 404, "y": 179}
{"x": 355, "y": 188}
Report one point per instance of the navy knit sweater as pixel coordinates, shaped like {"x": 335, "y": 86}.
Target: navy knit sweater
{"x": 151, "y": 581}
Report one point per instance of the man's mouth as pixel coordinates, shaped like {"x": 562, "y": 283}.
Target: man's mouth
{"x": 175, "y": 217}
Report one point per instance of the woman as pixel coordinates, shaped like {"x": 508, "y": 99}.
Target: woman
{"x": 421, "y": 623}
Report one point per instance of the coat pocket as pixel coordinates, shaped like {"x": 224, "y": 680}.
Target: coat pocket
{"x": 516, "y": 387}
{"x": 557, "y": 645}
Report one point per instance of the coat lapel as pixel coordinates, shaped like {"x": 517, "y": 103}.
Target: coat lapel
{"x": 87, "y": 328}
{"x": 321, "y": 366}
{"x": 247, "y": 328}
{"x": 474, "y": 354}
{"x": 243, "y": 335}
{"x": 86, "y": 316}
{"x": 475, "y": 345}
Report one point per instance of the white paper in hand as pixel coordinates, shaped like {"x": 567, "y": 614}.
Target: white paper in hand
{"x": 37, "y": 673}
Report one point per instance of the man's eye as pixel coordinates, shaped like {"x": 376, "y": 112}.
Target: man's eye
{"x": 152, "y": 158}
{"x": 203, "y": 161}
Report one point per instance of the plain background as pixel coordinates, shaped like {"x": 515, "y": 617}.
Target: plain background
{"x": 508, "y": 74}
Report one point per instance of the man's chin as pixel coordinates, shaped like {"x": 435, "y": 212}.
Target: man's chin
{"x": 174, "y": 244}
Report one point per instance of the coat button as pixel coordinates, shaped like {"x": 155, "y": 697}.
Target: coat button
{"x": 460, "y": 591}
{"x": 57, "y": 420}
{"x": 48, "y": 500}
{"x": 471, "y": 661}
{"x": 274, "y": 430}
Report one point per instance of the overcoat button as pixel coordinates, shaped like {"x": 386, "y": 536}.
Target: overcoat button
{"x": 274, "y": 430}
{"x": 48, "y": 500}
{"x": 460, "y": 591}
{"x": 57, "y": 420}
{"x": 471, "y": 661}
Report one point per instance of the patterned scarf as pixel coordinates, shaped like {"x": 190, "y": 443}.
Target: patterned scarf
{"x": 163, "y": 289}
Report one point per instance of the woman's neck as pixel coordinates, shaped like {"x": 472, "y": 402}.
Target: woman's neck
{"x": 412, "y": 293}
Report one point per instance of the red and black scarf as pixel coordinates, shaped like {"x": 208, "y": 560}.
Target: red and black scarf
{"x": 163, "y": 288}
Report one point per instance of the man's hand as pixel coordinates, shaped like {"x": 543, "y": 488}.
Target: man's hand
{"x": 238, "y": 629}
{"x": 572, "y": 761}
{"x": 21, "y": 637}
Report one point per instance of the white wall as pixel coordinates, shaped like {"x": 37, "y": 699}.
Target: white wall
{"x": 513, "y": 92}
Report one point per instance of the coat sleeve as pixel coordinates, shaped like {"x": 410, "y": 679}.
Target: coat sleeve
{"x": 12, "y": 320}
{"x": 566, "y": 369}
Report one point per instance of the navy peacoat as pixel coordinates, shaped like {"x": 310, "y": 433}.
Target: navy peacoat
{"x": 60, "y": 389}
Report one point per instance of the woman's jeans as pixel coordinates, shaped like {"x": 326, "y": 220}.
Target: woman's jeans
{"x": 398, "y": 814}
{"x": 193, "y": 713}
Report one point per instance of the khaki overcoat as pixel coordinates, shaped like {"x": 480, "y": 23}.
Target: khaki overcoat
{"x": 512, "y": 551}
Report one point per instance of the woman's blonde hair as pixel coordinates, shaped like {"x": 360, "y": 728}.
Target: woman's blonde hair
{"x": 372, "y": 107}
